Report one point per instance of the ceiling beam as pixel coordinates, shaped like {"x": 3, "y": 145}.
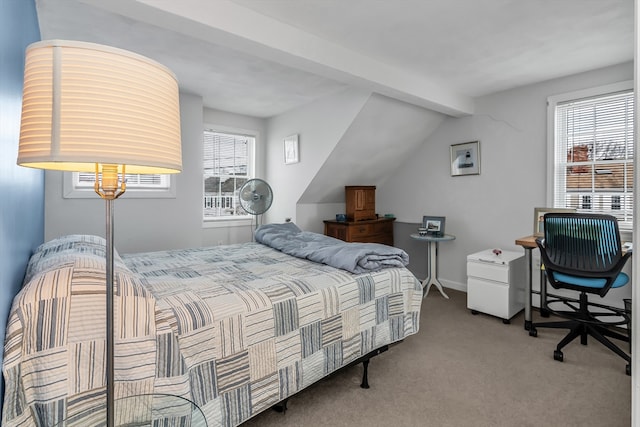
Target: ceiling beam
{"x": 231, "y": 25}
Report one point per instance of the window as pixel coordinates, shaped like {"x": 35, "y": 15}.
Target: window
{"x": 80, "y": 185}
{"x": 228, "y": 164}
{"x": 592, "y": 137}
{"x": 616, "y": 203}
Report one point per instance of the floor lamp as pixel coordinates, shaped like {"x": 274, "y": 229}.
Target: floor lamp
{"x": 93, "y": 108}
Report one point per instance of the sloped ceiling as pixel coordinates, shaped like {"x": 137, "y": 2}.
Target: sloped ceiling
{"x": 381, "y": 137}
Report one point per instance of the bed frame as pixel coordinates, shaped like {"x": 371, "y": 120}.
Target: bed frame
{"x": 282, "y": 405}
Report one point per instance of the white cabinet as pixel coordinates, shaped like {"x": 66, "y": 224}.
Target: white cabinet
{"x": 495, "y": 283}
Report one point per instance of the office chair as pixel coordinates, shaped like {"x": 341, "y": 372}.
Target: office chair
{"x": 582, "y": 252}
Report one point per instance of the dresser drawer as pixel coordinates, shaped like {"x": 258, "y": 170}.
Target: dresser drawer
{"x": 373, "y": 231}
{"x": 382, "y": 228}
{"x": 361, "y": 230}
{"x": 374, "y": 238}
{"x": 337, "y": 231}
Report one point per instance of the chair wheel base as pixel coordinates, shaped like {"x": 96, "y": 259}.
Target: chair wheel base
{"x": 557, "y": 355}
{"x": 533, "y": 332}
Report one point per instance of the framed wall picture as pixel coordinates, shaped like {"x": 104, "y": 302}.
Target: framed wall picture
{"x": 434, "y": 225}
{"x": 291, "y": 154}
{"x": 465, "y": 159}
{"x": 538, "y": 218}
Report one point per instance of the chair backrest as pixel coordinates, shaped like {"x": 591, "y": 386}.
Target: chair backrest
{"x": 587, "y": 243}
{"x": 585, "y": 246}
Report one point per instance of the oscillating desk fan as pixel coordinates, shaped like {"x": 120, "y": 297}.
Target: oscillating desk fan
{"x": 256, "y": 197}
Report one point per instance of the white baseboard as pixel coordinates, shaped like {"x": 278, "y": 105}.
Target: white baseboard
{"x": 454, "y": 285}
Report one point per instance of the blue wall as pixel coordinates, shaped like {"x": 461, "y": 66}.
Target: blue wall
{"x": 21, "y": 189}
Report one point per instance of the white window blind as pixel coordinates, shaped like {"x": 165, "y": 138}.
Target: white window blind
{"x": 134, "y": 181}
{"x": 228, "y": 164}
{"x": 593, "y": 166}
{"x": 80, "y": 185}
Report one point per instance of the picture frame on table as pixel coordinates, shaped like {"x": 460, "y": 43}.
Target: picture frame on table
{"x": 291, "y": 154}
{"x": 465, "y": 158}
{"x": 538, "y": 218}
{"x": 434, "y": 225}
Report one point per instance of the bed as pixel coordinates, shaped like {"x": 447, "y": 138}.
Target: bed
{"x": 232, "y": 329}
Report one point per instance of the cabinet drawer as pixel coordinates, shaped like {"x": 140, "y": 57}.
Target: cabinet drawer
{"x": 382, "y": 228}
{"x": 373, "y": 238}
{"x": 337, "y": 231}
{"x": 489, "y": 271}
{"x": 379, "y": 231}
{"x": 488, "y": 297}
{"x": 361, "y": 230}
{"x": 497, "y": 299}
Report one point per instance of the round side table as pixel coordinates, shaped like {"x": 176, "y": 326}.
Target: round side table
{"x": 432, "y": 255}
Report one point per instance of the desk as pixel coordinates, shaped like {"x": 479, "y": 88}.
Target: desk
{"x": 432, "y": 274}
{"x": 529, "y": 243}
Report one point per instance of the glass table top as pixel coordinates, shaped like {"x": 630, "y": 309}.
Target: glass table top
{"x": 141, "y": 411}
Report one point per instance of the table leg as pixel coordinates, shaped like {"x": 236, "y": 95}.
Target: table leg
{"x": 432, "y": 278}
{"x": 528, "y": 277}
{"x": 544, "y": 312}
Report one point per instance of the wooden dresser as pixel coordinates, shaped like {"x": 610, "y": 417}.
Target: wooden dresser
{"x": 367, "y": 231}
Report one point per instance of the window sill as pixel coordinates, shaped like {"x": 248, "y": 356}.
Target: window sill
{"x": 224, "y": 222}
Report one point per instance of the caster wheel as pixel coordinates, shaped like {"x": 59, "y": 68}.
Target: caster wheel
{"x": 474, "y": 312}
{"x": 628, "y": 369}
{"x": 533, "y": 332}
{"x": 557, "y": 355}
{"x": 506, "y": 321}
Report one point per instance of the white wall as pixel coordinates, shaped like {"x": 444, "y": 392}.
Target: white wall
{"x": 494, "y": 208}
{"x": 320, "y": 125}
{"x": 380, "y": 132}
{"x": 489, "y": 210}
{"x": 155, "y": 224}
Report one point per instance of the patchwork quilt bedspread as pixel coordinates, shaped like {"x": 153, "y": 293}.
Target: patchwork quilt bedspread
{"x": 233, "y": 329}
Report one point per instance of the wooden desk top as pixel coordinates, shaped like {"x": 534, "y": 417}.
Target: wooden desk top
{"x": 527, "y": 242}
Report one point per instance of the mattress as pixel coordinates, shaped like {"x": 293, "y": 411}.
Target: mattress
{"x": 233, "y": 329}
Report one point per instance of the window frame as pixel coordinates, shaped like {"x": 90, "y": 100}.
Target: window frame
{"x": 71, "y": 189}
{"x": 231, "y": 220}
{"x": 552, "y": 103}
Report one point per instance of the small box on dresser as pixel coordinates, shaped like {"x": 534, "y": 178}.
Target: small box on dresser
{"x": 360, "y": 202}
{"x": 495, "y": 283}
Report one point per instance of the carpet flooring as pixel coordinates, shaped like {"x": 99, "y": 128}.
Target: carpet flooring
{"x": 469, "y": 370}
